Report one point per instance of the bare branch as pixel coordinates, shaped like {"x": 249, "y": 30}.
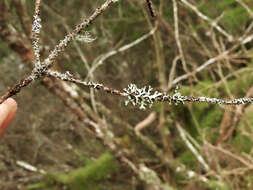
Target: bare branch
{"x": 246, "y": 7}
{"x": 151, "y": 8}
{"x": 100, "y": 60}
{"x": 206, "y": 18}
{"x": 36, "y": 26}
{"x": 147, "y": 121}
{"x": 179, "y": 45}
{"x": 241, "y": 41}
{"x": 145, "y": 97}
{"x": 192, "y": 148}
{"x": 40, "y": 69}
{"x": 68, "y": 38}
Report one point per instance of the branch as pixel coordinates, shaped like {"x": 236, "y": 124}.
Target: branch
{"x": 241, "y": 41}
{"x": 151, "y": 8}
{"x": 102, "y": 58}
{"x": 206, "y": 18}
{"x": 192, "y": 148}
{"x": 246, "y": 7}
{"x": 179, "y": 45}
{"x": 40, "y": 69}
{"x": 36, "y": 26}
{"x": 145, "y": 97}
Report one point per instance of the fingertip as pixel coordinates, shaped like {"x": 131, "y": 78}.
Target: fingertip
{"x": 7, "y": 112}
{"x": 12, "y": 104}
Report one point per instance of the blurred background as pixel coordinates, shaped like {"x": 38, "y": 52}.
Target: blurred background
{"x": 66, "y": 136}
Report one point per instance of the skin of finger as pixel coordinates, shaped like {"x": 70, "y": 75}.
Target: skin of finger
{"x": 3, "y": 115}
{"x": 7, "y": 112}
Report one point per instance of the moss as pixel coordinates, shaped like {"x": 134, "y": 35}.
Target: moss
{"x": 217, "y": 185}
{"x": 188, "y": 159}
{"x": 242, "y": 143}
{"x": 234, "y": 19}
{"x": 200, "y": 88}
{"x": 89, "y": 175}
{"x": 238, "y": 86}
{"x": 168, "y": 14}
{"x": 212, "y": 8}
{"x": 211, "y": 117}
{"x": 82, "y": 178}
{"x": 83, "y": 158}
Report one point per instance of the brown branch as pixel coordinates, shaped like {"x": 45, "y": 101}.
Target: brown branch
{"x": 41, "y": 68}
{"x": 16, "y": 89}
{"x": 151, "y": 9}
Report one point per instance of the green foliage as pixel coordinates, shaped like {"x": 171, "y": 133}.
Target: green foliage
{"x": 83, "y": 158}
{"x": 201, "y": 88}
{"x": 210, "y": 118}
{"x": 188, "y": 159}
{"x": 82, "y": 178}
{"x": 168, "y": 14}
{"x": 235, "y": 16}
{"x": 242, "y": 143}
{"x": 207, "y": 116}
{"x": 217, "y": 185}
{"x": 248, "y": 117}
{"x": 215, "y": 7}
{"x": 234, "y": 19}
{"x": 238, "y": 86}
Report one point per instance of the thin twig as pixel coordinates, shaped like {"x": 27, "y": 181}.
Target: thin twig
{"x": 147, "y": 121}
{"x": 246, "y": 7}
{"x": 241, "y": 41}
{"x": 36, "y": 26}
{"x": 68, "y": 77}
{"x": 145, "y": 96}
{"x": 101, "y": 59}
{"x": 151, "y": 8}
{"x": 230, "y": 154}
{"x": 192, "y": 148}
{"x": 206, "y": 18}
{"x": 40, "y": 69}
{"x": 29, "y": 167}
{"x": 179, "y": 45}
{"x": 68, "y": 38}
{"x": 202, "y": 67}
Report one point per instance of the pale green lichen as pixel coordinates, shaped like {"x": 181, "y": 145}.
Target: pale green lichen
{"x": 142, "y": 97}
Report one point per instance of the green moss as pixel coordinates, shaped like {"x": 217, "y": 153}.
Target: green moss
{"x": 168, "y": 14}
{"x": 200, "y": 88}
{"x": 217, "y": 185}
{"x": 211, "y": 117}
{"x": 87, "y": 177}
{"x": 234, "y": 19}
{"x": 214, "y": 7}
{"x": 224, "y": 4}
{"x": 188, "y": 158}
{"x": 83, "y": 158}
{"x": 248, "y": 117}
{"x": 242, "y": 143}
{"x": 238, "y": 86}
